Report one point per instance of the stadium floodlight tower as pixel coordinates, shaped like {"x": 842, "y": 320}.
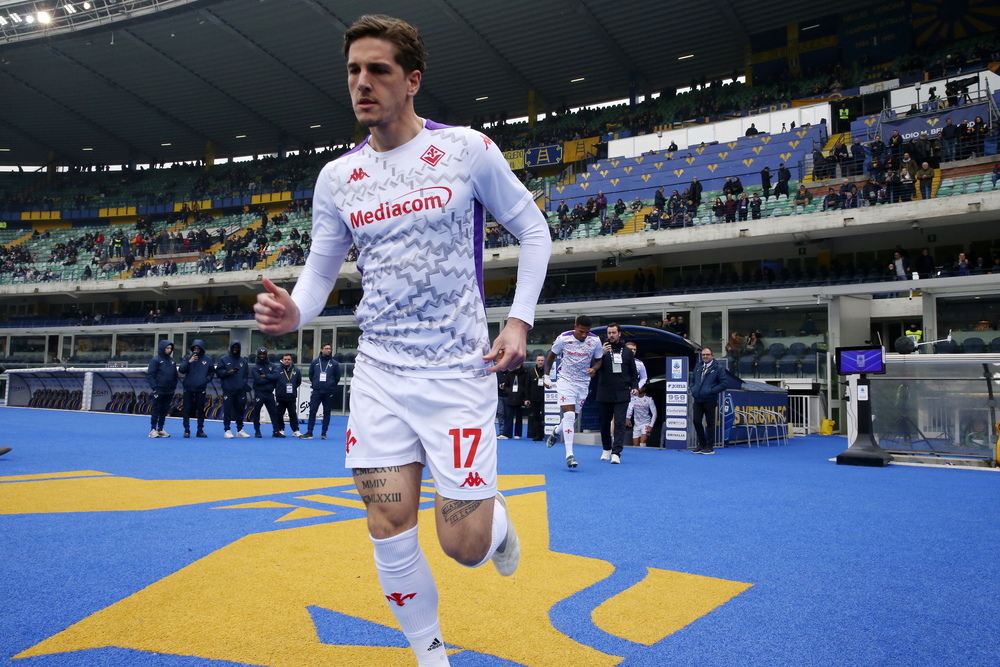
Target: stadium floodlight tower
{"x": 22, "y": 20}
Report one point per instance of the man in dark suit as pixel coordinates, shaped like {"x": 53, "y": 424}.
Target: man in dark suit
{"x": 535, "y": 399}
{"x": 708, "y": 381}
{"x": 617, "y": 381}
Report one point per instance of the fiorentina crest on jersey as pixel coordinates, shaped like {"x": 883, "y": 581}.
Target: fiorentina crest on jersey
{"x": 432, "y": 155}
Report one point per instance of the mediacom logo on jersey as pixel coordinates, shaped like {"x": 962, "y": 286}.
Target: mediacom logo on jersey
{"x": 413, "y": 202}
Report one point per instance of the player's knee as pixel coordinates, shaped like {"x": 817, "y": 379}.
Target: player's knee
{"x": 383, "y": 525}
{"x": 469, "y": 552}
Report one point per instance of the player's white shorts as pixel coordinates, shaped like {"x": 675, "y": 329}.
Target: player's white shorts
{"x": 446, "y": 424}
{"x": 639, "y": 430}
{"x": 572, "y": 393}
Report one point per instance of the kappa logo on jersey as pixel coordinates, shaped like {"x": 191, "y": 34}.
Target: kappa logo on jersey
{"x": 473, "y": 480}
{"x": 432, "y": 155}
{"x": 424, "y": 199}
{"x": 350, "y": 441}
{"x": 399, "y": 598}
{"x": 357, "y": 175}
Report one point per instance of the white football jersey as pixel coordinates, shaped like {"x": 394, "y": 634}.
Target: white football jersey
{"x": 641, "y": 410}
{"x": 576, "y": 356}
{"x": 416, "y": 215}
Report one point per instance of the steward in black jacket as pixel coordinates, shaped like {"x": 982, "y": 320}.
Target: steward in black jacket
{"x": 617, "y": 379}
{"x": 198, "y": 370}
{"x": 265, "y": 376}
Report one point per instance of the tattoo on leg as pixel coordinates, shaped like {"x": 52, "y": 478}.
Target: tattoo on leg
{"x": 358, "y": 472}
{"x": 454, "y": 511}
{"x": 377, "y": 498}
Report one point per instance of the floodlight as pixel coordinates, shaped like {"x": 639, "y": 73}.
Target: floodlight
{"x": 86, "y": 5}
{"x": 69, "y": 9}
{"x": 43, "y": 17}
{"x": 15, "y": 17}
{"x": 29, "y": 18}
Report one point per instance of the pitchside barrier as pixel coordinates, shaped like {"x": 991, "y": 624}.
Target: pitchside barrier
{"x": 120, "y": 391}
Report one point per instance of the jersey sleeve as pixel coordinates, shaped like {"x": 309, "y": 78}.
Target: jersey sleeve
{"x": 598, "y": 350}
{"x": 641, "y": 368}
{"x": 557, "y": 346}
{"x": 494, "y": 184}
{"x": 652, "y": 412}
{"x": 330, "y": 235}
{"x": 631, "y": 408}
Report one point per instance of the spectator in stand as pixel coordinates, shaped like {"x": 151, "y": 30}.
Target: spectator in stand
{"x": 858, "y": 157}
{"x": 765, "y": 182}
{"x": 907, "y": 186}
{"x": 755, "y": 205}
{"x": 727, "y": 187}
{"x": 831, "y": 202}
{"x": 803, "y": 197}
{"x": 996, "y": 174}
{"x": 636, "y": 206}
{"x": 979, "y": 130}
{"x": 742, "y": 207}
{"x": 962, "y": 267}
{"x": 654, "y": 218}
{"x": 964, "y": 143}
{"x": 620, "y": 208}
{"x": 925, "y": 176}
{"x": 871, "y": 191}
{"x": 719, "y": 209}
{"x": 730, "y": 208}
{"x": 690, "y": 211}
{"x": 602, "y": 206}
{"x": 848, "y": 187}
{"x": 949, "y": 141}
{"x": 925, "y": 264}
{"x": 901, "y": 267}
{"x": 659, "y": 200}
{"x": 752, "y": 130}
{"x": 980, "y": 266}
{"x": 896, "y": 144}
{"x": 877, "y": 147}
{"x": 819, "y": 165}
{"x": 849, "y": 201}
{"x": 784, "y": 176}
{"x": 695, "y": 189}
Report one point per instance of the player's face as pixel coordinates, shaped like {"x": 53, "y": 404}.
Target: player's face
{"x": 581, "y": 332}
{"x": 380, "y": 90}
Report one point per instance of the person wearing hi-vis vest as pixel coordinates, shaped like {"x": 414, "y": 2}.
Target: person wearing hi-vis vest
{"x": 324, "y": 374}
{"x": 286, "y": 394}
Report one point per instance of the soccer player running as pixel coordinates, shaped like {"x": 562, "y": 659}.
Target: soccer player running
{"x": 581, "y": 353}
{"x": 411, "y": 197}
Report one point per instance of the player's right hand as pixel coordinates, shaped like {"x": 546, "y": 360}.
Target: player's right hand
{"x": 275, "y": 312}
{"x": 548, "y": 382}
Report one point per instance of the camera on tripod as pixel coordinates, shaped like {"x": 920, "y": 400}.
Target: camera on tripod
{"x": 960, "y": 86}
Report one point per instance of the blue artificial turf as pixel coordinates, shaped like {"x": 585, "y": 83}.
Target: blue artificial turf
{"x": 850, "y": 566}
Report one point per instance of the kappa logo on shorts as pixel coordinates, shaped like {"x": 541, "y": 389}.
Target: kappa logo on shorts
{"x": 399, "y": 598}
{"x": 350, "y": 441}
{"x": 432, "y": 155}
{"x": 473, "y": 480}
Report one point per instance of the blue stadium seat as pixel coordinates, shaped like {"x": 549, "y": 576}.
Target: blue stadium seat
{"x": 766, "y": 366}
{"x": 973, "y": 346}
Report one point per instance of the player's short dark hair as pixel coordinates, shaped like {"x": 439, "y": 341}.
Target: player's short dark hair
{"x": 410, "y": 54}
{"x": 615, "y": 325}
{"x": 582, "y": 320}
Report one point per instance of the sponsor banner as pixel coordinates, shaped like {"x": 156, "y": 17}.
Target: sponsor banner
{"x": 676, "y": 410}
{"x": 910, "y": 128}
{"x": 677, "y": 386}
{"x": 880, "y": 87}
{"x": 677, "y": 369}
{"x": 552, "y": 408}
{"x": 738, "y": 405}
{"x": 515, "y": 159}
{"x": 580, "y": 150}
{"x": 677, "y": 399}
{"x": 677, "y": 423}
{"x": 552, "y": 419}
{"x": 543, "y": 156}
{"x": 677, "y": 435}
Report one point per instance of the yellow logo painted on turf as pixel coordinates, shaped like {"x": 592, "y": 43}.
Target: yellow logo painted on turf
{"x": 250, "y": 601}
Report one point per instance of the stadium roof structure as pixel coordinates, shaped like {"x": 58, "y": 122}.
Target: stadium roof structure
{"x": 154, "y": 80}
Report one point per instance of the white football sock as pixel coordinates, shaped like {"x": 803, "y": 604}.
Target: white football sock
{"x": 411, "y": 592}
{"x": 498, "y": 533}
{"x": 567, "y": 426}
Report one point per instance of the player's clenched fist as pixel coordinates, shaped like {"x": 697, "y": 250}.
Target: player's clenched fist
{"x": 275, "y": 311}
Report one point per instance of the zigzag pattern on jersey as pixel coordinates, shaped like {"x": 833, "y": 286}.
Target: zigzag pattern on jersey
{"x": 460, "y": 342}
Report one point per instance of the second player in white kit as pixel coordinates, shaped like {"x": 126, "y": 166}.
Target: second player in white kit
{"x": 580, "y": 353}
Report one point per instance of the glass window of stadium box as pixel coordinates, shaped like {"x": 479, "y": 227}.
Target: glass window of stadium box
{"x": 926, "y": 405}
{"x": 177, "y": 340}
{"x": 91, "y": 349}
{"x": 27, "y": 349}
{"x": 216, "y": 343}
{"x": 308, "y": 353}
{"x": 276, "y": 345}
{"x": 136, "y": 349}
{"x": 792, "y": 341}
{"x": 3, "y": 346}
{"x": 546, "y": 331}
{"x": 974, "y": 323}
{"x": 347, "y": 343}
